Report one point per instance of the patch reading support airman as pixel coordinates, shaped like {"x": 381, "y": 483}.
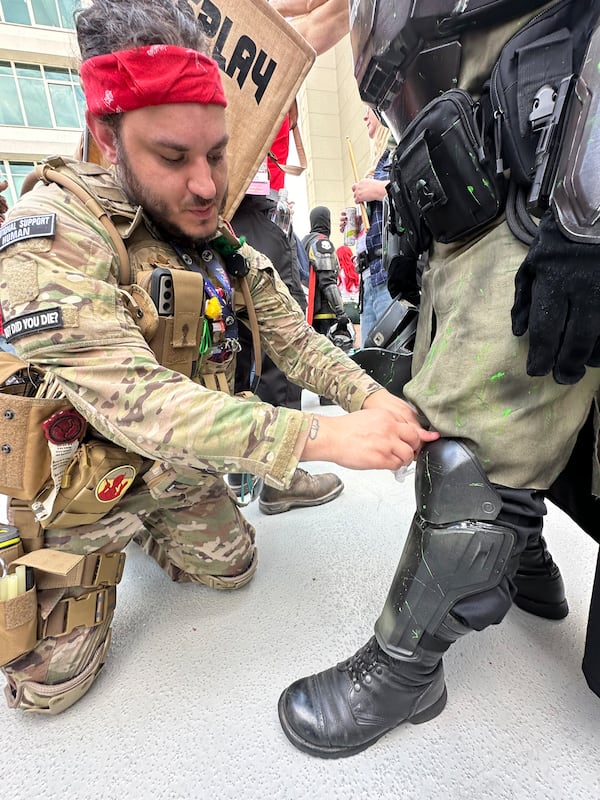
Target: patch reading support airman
{"x": 22, "y": 228}
{"x": 47, "y": 320}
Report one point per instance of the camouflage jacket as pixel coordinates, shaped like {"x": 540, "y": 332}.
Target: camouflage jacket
{"x": 66, "y": 313}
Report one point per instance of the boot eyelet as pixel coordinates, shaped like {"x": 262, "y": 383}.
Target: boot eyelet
{"x": 368, "y": 679}
{"x": 379, "y": 670}
{"x": 357, "y": 687}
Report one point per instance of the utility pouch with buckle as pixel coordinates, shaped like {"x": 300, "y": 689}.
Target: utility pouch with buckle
{"x": 444, "y": 165}
{"x": 18, "y": 616}
{"x": 93, "y": 483}
{"x": 23, "y": 624}
{"x": 24, "y": 454}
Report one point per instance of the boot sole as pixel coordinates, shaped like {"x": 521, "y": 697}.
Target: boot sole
{"x": 545, "y": 610}
{"x": 342, "y": 752}
{"x": 279, "y": 508}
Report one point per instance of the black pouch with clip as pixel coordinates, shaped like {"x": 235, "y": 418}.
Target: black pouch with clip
{"x": 445, "y": 167}
{"x": 526, "y": 79}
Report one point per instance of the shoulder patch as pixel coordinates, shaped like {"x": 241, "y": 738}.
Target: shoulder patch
{"x": 27, "y": 324}
{"x": 22, "y": 228}
{"x": 324, "y": 246}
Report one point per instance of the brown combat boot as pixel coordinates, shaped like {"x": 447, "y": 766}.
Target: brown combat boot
{"x": 305, "y": 490}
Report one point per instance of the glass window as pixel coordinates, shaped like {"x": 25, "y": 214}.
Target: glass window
{"x": 10, "y": 106}
{"x": 64, "y": 106}
{"x": 66, "y": 9}
{"x": 45, "y": 13}
{"x": 33, "y": 94}
{"x": 41, "y": 97}
{"x": 36, "y": 104}
{"x": 50, "y": 13}
{"x": 57, "y": 74}
{"x": 15, "y": 11}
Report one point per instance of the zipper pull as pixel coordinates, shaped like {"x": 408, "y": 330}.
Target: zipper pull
{"x": 498, "y": 141}
{"x": 478, "y": 134}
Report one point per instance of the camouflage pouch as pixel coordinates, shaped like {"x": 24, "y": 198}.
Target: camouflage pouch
{"x": 18, "y": 617}
{"x": 96, "y": 479}
{"x": 24, "y": 453}
{"x": 179, "y": 302}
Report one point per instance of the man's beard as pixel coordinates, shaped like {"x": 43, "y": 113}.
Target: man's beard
{"x": 153, "y": 205}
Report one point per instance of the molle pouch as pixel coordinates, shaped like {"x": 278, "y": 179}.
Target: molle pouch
{"x": 444, "y": 164}
{"x": 18, "y": 616}
{"x": 94, "y": 482}
{"x": 24, "y": 453}
{"x": 18, "y": 626}
{"x": 526, "y": 79}
{"x": 179, "y": 299}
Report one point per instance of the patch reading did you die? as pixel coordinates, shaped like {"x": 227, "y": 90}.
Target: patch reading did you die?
{"x": 36, "y": 322}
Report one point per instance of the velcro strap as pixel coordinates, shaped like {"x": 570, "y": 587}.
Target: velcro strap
{"x": 188, "y": 290}
{"x": 22, "y": 517}
{"x": 215, "y": 381}
{"x": 88, "y": 611}
{"x": 56, "y": 569}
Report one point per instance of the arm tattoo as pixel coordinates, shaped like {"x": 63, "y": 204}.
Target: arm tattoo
{"x": 314, "y": 429}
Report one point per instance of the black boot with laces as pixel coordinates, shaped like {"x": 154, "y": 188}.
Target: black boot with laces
{"x": 346, "y": 708}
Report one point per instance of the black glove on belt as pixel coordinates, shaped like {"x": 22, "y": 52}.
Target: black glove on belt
{"x": 557, "y": 298}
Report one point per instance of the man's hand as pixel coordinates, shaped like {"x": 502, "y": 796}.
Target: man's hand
{"x": 368, "y": 189}
{"x": 557, "y": 299}
{"x": 3, "y": 202}
{"x": 323, "y": 23}
{"x": 385, "y": 434}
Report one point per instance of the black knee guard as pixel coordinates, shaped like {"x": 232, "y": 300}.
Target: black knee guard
{"x": 455, "y": 548}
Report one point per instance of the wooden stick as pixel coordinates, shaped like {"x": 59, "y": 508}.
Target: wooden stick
{"x": 363, "y": 208}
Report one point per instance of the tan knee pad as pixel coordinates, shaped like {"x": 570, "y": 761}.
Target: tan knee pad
{"x": 228, "y": 581}
{"x": 28, "y": 695}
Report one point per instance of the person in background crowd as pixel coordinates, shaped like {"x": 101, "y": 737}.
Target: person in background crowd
{"x": 325, "y": 304}
{"x": 349, "y": 282}
{"x": 252, "y": 220}
{"x": 370, "y": 191}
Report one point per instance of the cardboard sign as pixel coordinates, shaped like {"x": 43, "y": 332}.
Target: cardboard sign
{"x": 263, "y": 62}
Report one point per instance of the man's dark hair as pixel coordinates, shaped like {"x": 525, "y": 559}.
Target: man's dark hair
{"x": 110, "y": 25}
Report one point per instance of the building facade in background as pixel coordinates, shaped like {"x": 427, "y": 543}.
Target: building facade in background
{"x": 42, "y": 107}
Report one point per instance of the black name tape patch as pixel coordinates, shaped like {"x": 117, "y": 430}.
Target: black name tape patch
{"x": 46, "y": 320}
{"x": 22, "y": 228}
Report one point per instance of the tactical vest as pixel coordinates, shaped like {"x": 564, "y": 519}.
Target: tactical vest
{"x": 185, "y": 333}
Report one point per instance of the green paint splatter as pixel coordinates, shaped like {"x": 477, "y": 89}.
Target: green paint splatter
{"x": 507, "y": 412}
{"x": 497, "y": 376}
{"x": 471, "y": 190}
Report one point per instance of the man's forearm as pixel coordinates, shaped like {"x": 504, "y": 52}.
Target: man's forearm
{"x": 323, "y": 23}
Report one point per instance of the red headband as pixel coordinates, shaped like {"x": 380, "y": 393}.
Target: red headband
{"x": 150, "y": 76}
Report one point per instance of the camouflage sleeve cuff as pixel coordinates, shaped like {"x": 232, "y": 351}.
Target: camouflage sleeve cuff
{"x": 362, "y": 390}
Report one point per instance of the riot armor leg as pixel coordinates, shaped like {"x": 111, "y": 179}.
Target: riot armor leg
{"x": 454, "y": 576}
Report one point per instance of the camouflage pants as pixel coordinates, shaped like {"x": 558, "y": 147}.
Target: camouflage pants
{"x": 196, "y": 533}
